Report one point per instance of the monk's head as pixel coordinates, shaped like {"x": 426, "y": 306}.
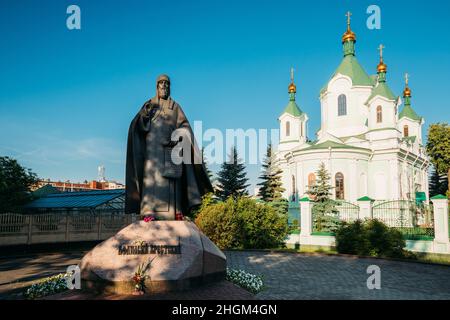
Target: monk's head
{"x": 163, "y": 87}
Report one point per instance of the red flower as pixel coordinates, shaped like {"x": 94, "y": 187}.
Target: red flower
{"x": 179, "y": 216}
{"x": 149, "y": 218}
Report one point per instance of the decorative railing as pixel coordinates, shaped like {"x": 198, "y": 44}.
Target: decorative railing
{"x": 414, "y": 220}
{"x": 348, "y": 211}
{"x": 61, "y": 226}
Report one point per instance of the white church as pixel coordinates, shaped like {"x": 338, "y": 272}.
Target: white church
{"x": 370, "y": 140}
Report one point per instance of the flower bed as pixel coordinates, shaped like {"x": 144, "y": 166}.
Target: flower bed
{"x": 248, "y": 281}
{"x": 47, "y": 286}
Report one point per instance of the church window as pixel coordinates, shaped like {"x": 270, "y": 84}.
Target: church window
{"x": 379, "y": 114}
{"x": 311, "y": 182}
{"x": 311, "y": 179}
{"x": 294, "y": 191}
{"x": 342, "y": 105}
{"x": 405, "y": 131}
{"x": 288, "y": 129}
{"x": 339, "y": 181}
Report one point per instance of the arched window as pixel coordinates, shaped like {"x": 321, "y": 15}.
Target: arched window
{"x": 339, "y": 182}
{"x": 342, "y": 105}
{"x": 311, "y": 182}
{"x": 405, "y": 131}
{"x": 294, "y": 189}
{"x": 311, "y": 179}
{"x": 288, "y": 128}
{"x": 379, "y": 114}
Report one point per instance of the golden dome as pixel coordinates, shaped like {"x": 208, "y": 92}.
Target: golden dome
{"x": 292, "y": 88}
{"x": 382, "y": 67}
{"x": 407, "y": 92}
{"x": 349, "y": 35}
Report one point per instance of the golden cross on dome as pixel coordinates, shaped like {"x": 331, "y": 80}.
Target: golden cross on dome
{"x": 406, "y": 79}
{"x": 348, "y": 15}
{"x": 380, "y": 48}
{"x": 292, "y": 75}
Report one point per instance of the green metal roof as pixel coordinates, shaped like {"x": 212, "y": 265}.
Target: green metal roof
{"x": 438, "y": 197}
{"x": 383, "y": 90}
{"x": 365, "y": 198}
{"x": 408, "y": 112}
{"x": 293, "y": 109}
{"x": 333, "y": 145}
{"x": 84, "y": 199}
{"x": 350, "y": 67}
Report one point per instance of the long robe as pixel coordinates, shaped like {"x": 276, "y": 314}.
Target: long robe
{"x": 148, "y": 189}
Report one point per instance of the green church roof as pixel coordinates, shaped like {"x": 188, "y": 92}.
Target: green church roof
{"x": 408, "y": 112}
{"x": 333, "y": 145}
{"x": 293, "y": 109}
{"x": 350, "y": 67}
{"x": 383, "y": 90}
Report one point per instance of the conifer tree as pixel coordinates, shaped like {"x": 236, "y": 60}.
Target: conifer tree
{"x": 271, "y": 187}
{"x": 205, "y": 163}
{"x": 232, "y": 178}
{"x": 438, "y": 183}
{"x": 324, "y": 208}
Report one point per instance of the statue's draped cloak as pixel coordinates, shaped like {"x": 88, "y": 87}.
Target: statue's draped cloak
{"x": 148, "y": 190}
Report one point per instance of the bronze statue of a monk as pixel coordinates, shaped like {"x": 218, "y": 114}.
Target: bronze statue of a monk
{"x": 155, "y": 185}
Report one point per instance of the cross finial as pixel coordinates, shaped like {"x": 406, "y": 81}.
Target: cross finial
{"x": 292, "y": 75}
{"x": 380, "y": 48}
{"x": 406, "y": 79}
{"x": 348, "y": 15}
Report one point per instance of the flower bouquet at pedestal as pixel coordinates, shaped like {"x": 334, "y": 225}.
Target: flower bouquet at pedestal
{"x": 139, "y": 278}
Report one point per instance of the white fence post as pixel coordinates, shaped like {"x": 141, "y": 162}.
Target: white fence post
{"x": 441, "y": 235}
{"x": 305, "y": 221}
{"x": 365, "y": 208}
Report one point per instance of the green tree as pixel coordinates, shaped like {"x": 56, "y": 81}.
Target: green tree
{"x": 15, "y": 184}
{"x": 438, "y": 183}
{"x": 271, "y": 187}
{"x": 324, "y": 208}
{"x": 232, "y": 178}
{"x": 438, "y": 148}
{"x": 205, "y": 163}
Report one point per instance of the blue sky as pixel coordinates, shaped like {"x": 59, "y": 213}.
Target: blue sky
{"x": 67, "y": 97}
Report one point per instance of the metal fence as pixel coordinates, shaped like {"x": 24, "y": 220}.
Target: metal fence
{"x": 414, "y": 220}
{"x": 348, "y": 211}
{"x": 61, "y": 226}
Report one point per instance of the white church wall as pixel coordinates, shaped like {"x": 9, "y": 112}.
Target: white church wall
{"x": 353, "y": 123}
{"x": 389, "y": 117}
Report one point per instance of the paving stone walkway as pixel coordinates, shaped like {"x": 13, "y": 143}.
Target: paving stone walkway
{"x": 287, "y": 276}
{"x": 301, "y": 276}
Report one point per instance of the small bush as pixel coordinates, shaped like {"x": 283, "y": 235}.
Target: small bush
{"x": 263, "y": 225}
{"x": 219, "y": 223}
{"x": 351, "y": 238}
{"x": 243, "y": 223}
{"x": 370, "y": 238}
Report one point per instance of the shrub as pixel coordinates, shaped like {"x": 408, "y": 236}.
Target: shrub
{"x": 351, "y": 238}
{"x": 243, "y": 223}
{"x": 219, "y": 223}
{"x": 370, "y": 238}
{"x": 263, "y": 226}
